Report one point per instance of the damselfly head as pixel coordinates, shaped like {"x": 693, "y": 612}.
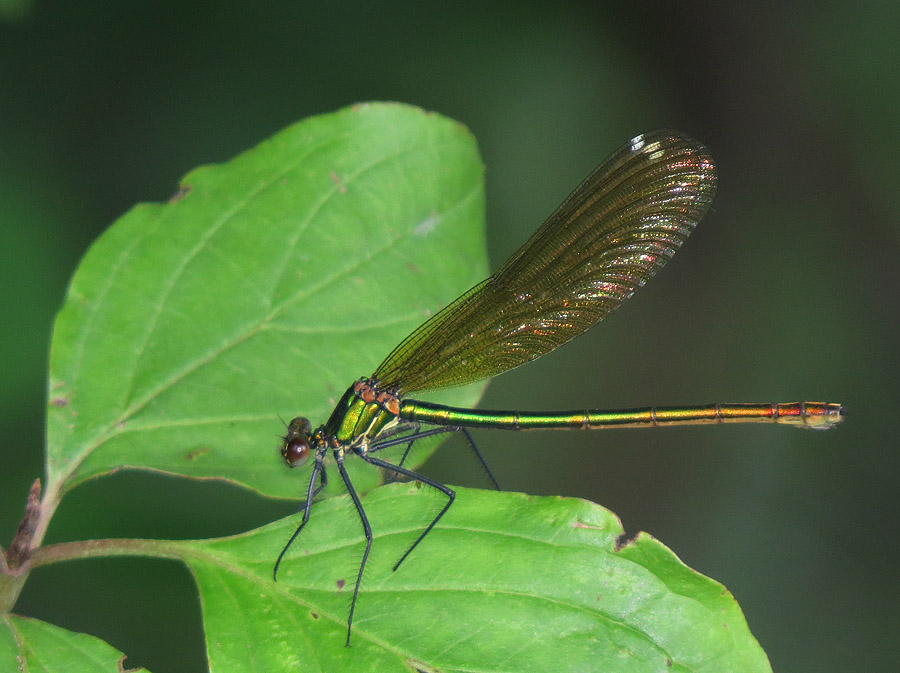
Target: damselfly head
{"x": 296, "y": 449}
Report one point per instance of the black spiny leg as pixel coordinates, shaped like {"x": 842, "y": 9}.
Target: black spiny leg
{"x": 367, "y": 529}
{"x": 480, "y": 458}
{"x": 446, "y": 490}
{"x": 385, "y": 444}
{"x": 406, "y": 452}
{"x": 311, "y": 493}
{"x": 409, "y": 439}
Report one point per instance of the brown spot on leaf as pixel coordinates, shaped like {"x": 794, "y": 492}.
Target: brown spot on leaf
{"x": 582, "y": 524}
{"x": 342, "y": 188}
{"x": 183, "y": 190}
{"x": 624, "y": 540}
{"x": 59, "y": 402}
{"x": 196, "y": 453}
{"x": 121, "y": 665}
{"x": 340, "y": 584}
{"x": 314, "y": 615}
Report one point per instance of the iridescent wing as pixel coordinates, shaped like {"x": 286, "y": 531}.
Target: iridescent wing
{"x": 610, "y": 235}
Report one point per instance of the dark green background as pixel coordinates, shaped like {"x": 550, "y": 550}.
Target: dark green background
{"x": 788, "y": 290}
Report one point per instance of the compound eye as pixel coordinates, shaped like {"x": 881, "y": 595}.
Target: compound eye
{"x": 295, "y": 451}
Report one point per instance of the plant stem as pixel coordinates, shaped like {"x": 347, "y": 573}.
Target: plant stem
{"x": 69, "y": 551}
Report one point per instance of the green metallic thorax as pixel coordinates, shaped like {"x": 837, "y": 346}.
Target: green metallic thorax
{"x": 355, "y": 422}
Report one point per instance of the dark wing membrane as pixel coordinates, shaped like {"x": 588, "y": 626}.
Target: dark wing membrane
{"x": 610, "y": 235}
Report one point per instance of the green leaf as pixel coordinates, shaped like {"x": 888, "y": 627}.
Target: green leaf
{"x": 265, "y": 287}
{"x": 38, "y": 647}
{"x": 506, "y": 582}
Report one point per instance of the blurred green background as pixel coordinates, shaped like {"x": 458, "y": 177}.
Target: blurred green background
{"x": 787, "y": 290}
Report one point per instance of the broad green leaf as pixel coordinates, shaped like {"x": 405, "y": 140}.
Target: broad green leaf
{"x": 506, "y": 582}
{"x": 38, "y": 647}
{"x": 264, "y": 288}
